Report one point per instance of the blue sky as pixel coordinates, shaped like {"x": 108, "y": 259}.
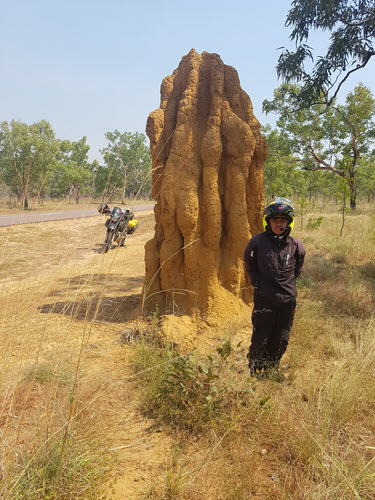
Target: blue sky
{"x": 90, "y": 66}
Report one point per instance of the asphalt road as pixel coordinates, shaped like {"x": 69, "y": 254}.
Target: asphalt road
{"x": 26, "y": 218}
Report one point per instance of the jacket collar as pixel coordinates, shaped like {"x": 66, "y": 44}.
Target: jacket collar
{"x": 282, "y": 238}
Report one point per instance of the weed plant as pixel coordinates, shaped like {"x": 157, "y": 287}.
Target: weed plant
{"x": 182, "y": 391}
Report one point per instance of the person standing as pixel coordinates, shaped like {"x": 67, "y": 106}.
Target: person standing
{"x": 274, "y": 260}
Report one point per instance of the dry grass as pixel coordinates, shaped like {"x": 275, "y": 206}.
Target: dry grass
{"x": 59, "y": 303}
{"x": 311, "y": 436}
{"x": 68, "y": 391}
{"x": 62, "y": 205}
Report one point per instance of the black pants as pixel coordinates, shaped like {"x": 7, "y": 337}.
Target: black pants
{"x": 271, "y": 330}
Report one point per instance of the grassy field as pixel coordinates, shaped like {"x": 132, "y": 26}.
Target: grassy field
{"x": 307, "y": 433}
{"x": 94, "y": 405}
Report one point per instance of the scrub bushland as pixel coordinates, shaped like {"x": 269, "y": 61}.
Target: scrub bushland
{"x": 72, "y": 391}
{"x": 307, "y": 432}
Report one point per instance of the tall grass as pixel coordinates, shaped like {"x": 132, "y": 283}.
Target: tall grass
{"x": 47, "y": 445}
{"x": 49, "y": 473}
{"x": 40, "y": 459}
{"x": 309, "y": 434}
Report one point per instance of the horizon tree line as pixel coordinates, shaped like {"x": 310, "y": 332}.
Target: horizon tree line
{"x": 317, "y": 151}
{"x": 34, "y": 162}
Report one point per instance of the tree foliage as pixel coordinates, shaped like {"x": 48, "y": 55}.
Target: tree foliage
{"x": 332, "y": 141}
{"x": 279, "y": 173}
{"x": 351, "y": 24}
{"x": 34, "y": 162}
{"x": 127, "y": 165}
{"x": 74, "y": 172}
{"x": 27, "y": 156}
{"x": 366, "y": 177}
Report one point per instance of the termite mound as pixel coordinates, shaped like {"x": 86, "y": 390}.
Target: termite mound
{"x": 208, "y": 158}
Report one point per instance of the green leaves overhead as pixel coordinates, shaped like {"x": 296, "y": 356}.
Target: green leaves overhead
{"x": 351, "y": 45}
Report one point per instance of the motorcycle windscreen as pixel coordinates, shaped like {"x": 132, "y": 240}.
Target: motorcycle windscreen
{"x": 116, "y": 213}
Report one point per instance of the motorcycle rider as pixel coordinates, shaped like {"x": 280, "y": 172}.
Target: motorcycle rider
{"x": 274, "y": 260}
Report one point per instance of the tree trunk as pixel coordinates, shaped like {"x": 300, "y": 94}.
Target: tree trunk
{"x": 124, "y": 189}
{"x": 352, "y": 187}
{"x": 70, "y": 193}
{"x": 77, "y": 195}
{"x": 352, "y": 190}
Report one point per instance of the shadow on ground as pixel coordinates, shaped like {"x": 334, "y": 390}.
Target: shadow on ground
{"x": 106, "y": 309}
{"x": 96, "y": 297}
{"x": 116, "y": 282}
{"x": 98, "y": 248}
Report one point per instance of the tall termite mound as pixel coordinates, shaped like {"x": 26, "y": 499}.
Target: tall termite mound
{"x": 207, "y": 179}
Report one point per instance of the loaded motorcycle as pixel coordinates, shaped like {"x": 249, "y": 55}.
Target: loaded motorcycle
{"x": 120, "y": 222}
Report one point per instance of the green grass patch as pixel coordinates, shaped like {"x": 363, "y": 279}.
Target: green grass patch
{"x": 76, "y": 470}
{"x": 46, "y": 373}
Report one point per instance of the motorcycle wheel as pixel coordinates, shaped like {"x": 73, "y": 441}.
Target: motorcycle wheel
{"x": 108, "y": 240}
{"x": 122, "y": 241}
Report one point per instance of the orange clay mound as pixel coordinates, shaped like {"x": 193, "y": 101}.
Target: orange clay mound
{"x": 208, "y": 157}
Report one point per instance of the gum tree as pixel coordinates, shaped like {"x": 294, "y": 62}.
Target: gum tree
{"x": 74, "y": 171}
{"x": 27, "y": 156}
{"x": 127, "y": 160}
{"x": 279, "y": 173}
{"x": 351, "y": 24}
{"x": 331, "y": 139}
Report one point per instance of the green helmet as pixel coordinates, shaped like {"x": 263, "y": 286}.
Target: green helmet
{"x": 281, "y": 207}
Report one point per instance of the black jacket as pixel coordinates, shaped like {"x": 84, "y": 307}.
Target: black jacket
{"x": 273, "y": 264}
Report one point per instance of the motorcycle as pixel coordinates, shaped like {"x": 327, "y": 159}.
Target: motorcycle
{"x": 119, "y": 224}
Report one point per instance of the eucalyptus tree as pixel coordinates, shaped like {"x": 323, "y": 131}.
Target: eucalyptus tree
{"x": 366, "y": 177}
{"x": 330, "y": 139}
{"x": 279, "y": 171}
{"x": 128, "y": 162}
{"x": 27, "y": 156}
{"x": 351, "y": 24}
{"x": 74, "y": 171}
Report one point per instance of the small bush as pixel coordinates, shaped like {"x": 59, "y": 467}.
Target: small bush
{"x": 180, "y": 390}
{"x": 314, "y": 223}
{"x": 188, "y": 396}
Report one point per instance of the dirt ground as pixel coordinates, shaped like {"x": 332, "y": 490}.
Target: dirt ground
{"x": 65, "y": 304}
{"x": 63, "y": 299}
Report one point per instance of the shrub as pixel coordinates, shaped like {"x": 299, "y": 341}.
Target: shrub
{"x": 181, "y": 390}
{"x": 314, "y": 223}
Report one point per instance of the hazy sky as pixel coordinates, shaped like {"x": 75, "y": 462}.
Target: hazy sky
{"x": 90, "y": 66}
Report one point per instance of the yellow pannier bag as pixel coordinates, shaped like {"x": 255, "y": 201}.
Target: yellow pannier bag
{"x": 132, "y": 226}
